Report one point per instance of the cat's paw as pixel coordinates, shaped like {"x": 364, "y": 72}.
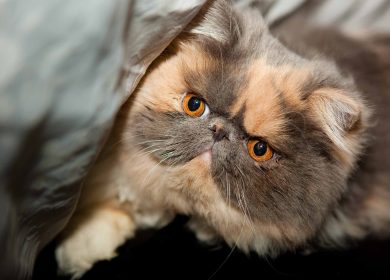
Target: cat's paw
{"x": 95, "y": 239}
{"x": 203, "y": 232}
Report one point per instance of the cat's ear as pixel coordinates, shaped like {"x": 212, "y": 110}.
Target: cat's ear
{"x": 217, "y": 21}
{"x": 341, "y": 116}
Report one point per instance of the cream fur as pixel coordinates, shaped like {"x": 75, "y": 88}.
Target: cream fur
{"x": 95, "y": 239}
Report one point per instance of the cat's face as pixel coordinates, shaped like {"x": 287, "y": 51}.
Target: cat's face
{"x": 242, "y": 129}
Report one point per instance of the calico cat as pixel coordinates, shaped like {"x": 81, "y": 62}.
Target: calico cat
{"x": 268, "y": 146}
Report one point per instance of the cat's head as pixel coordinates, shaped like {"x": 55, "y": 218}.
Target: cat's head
{"x": 233, "y": 127}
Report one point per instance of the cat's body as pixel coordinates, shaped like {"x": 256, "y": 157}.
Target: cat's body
{"x": 327, "y": 177}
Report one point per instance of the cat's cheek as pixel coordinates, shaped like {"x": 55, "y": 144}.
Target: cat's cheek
{"x": 275, "y": 162}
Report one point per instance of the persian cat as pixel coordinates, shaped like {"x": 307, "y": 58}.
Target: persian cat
{"x": 270, "y": 140}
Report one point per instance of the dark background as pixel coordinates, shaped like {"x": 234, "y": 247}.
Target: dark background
{"x": 174, "y": 253}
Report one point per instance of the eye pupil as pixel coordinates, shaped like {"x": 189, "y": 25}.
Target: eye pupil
{"x": 260, "y": 148}
{"x": 194, "y": 103}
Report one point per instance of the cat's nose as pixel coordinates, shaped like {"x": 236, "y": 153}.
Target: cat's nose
{"x": 219, "y": 131}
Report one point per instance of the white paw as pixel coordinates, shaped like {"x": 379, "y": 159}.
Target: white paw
{"x": 95, "y": 239}
{"x": 203, "y": 232}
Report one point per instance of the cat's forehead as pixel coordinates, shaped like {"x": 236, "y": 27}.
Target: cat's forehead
{"x": 216, "y": 75}
{"x": 270, "y": 93}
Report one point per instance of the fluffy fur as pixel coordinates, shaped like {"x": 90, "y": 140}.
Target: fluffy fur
{"x": 160, "y": 162}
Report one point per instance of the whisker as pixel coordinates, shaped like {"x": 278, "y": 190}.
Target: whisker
{"x": 228, "y": 189}
{"x": 150, "y": 141}
{"x": 244, "y": 202}
{"x": 148, "y": 152}
{"x": 147, "y": 148}
{"x": 248, "y": 214}
{"x": 228, "y": 256}
{"x": 148, "y": 175}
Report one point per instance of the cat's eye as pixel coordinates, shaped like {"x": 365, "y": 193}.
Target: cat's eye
{"x": 195, "y": 106}
{"x": 259, "y": 150}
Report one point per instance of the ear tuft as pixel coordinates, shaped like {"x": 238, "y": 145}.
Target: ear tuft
{"x": 339, "y": 115}
{"x": 217, "y": 21}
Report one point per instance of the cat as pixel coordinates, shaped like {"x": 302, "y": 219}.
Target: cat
{"x": 270, "y": 140}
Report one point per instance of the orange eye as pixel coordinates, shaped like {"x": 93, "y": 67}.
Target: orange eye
{"x": 194, "y": 106}
{"x": 259, "y": 150}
